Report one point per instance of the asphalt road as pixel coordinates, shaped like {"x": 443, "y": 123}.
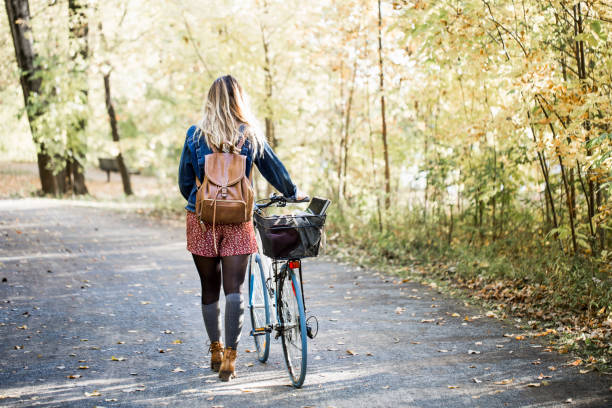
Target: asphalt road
{"x": 101, "y": 307}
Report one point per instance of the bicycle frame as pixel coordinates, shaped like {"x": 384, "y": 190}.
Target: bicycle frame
{"x": 273, "y": 291}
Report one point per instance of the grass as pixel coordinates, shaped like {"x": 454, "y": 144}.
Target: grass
{"x": 520, "y": 274}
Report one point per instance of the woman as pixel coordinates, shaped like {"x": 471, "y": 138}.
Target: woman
{"x": 227, "y": 119}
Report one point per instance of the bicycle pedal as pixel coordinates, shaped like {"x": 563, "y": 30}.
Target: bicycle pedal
{"x": 312, "y": 327}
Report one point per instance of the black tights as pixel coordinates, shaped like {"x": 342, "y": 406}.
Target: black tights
{"x": 209, "y": 269}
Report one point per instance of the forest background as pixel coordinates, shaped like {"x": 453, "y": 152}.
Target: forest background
{"x": 466, "y": 144}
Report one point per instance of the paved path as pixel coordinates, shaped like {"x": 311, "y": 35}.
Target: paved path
{"x": 92, "y": 296}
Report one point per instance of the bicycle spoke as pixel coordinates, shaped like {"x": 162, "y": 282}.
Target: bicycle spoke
{"x": 293, "y": 328}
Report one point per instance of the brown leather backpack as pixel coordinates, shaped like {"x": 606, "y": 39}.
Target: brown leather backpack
{"x": 226, "y": 195}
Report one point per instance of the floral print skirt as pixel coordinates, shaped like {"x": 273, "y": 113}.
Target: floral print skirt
{"x": 231, "y": 239}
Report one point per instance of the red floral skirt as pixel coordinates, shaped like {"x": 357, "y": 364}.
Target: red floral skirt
{"x": 232, "y": 239}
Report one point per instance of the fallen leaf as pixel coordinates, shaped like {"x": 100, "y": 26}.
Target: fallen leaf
{"x": 552, "y": 368}
{"x": 519, "y": 338}
{"x": 386, "y": 387}
{"x": 177, "y": 341}
{"x": 504, "y": 382}
{"x": 452, "y": 387}
{"x": 83, "y": 367}
{"x": 588, "y": 370}
{"x": 575, "y": 363}
{"x": 144, "y": 302}
{"x": 113, "y": 358}
{"x": 533, "y": 385}
{"x": 542, "y": 376}
{"x": 456, "y": 315}
{"x": 250, "y": 364}
{"x": 178, "y": 370}
{"x": 428, "y": 320}
{"x": 400, "y": 310}
{"x": 369, "y": 354}
{"x": 94, "y": 393}
{"x": 473, "y": 352}
{"x": 476, "y": 380}
{"x": 351, "y": 352}
{"x": 443, "y": 351}
{"x": 73, "y": 376}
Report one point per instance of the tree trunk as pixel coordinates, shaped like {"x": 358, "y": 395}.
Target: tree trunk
{"x": 269, "y": 118}
{"x": 346, "y": 136}
{"x": 79, "y": 29}
{"x": 18, "y": 12}
{"x": 372, "y": 154}
{"x": 382, "y": 110}
{"x": 125, "y": 176}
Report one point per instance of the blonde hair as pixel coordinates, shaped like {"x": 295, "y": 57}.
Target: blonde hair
{"x": 225, "y": 109}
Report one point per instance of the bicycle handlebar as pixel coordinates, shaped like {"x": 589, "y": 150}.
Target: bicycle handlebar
{"x": 279, "y": 201}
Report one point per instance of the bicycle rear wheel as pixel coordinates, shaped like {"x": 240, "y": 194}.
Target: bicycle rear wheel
{"x": 259, "y": 307}
{"x": 293, "y": 322}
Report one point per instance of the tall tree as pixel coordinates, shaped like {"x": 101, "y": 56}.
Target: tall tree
{"x": 18, "y": 12}
{"x": 79, "y": 28}
{"x": 382, "y": 112}
{"x": 112, "y": 116}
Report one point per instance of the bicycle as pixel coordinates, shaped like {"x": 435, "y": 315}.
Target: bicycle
{"x": 279, "y": 277}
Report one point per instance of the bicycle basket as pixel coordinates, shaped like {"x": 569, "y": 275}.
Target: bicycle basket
{"x": 290, "y": 236}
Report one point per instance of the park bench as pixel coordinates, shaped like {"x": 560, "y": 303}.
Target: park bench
{"x": 110, "y": 164}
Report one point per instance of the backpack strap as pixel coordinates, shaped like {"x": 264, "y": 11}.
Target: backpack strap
{"x": 197, "y": 164}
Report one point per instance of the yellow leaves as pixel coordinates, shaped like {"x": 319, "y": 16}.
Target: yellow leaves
{"x": 545, "y": 333}
{"x": 113, "y": 358}
{"x": 575, "y": 363}
{"x": 94, "y": 393}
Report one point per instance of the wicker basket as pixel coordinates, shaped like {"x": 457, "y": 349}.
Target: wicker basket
{"x": 290, "y": 236}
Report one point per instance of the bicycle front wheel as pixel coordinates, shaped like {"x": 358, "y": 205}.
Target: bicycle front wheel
{"x": 293, "y": 322}
{"x": 259, "y": 307}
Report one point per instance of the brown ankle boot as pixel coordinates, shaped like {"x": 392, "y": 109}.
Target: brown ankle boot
{"x": 228, "y": 366}
{"x": 216, "y": 351}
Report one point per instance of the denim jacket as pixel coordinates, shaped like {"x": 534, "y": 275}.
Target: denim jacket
{"x": 268, "y": 164}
